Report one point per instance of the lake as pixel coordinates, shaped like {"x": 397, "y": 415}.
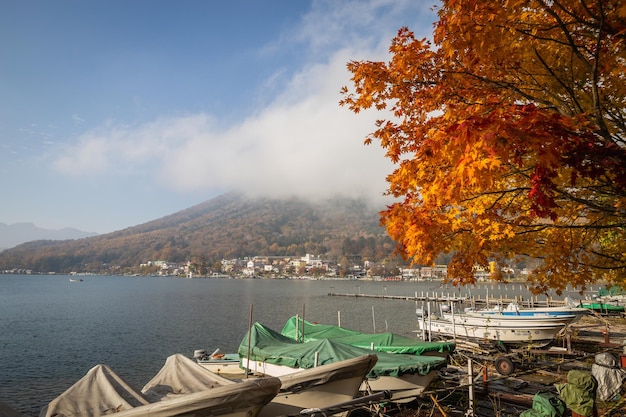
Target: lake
{"x": 52, "y": 331}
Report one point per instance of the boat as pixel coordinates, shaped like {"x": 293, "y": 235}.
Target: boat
{"x": 76, "y": 280}
{"x": 303, "y": 331}
{"x": 603, "y": 307}
{"x": 219, "y": 363}
{"x": 497, "y": 318}
{"x": 514, "y": 309}
{"x": 322, "y": 387}
{"x": 265, "y": 351}
{"x": 509, "y": 330}
{"x": 181, "y": 388}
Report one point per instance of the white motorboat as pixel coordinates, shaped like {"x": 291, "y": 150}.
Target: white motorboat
{"x": 531, "y": 332}
{"x": 181, "y": 388}
{"x": 514, "y": 309}
{"x": 496, "y": 318}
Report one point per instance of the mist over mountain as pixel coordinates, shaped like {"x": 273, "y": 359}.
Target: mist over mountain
{"x": 14, "y": 234}
{"x": 226, "y": 227}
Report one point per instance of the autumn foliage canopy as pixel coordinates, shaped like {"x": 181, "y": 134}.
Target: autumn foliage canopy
{"x": 507, "y": 132}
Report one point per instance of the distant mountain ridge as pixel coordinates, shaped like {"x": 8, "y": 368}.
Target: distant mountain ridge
{"x": 14, "y": 234}
{"x": 226, "y": 227}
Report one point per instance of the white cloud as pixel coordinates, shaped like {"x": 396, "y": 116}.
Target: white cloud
{"x": 302, "y": 143}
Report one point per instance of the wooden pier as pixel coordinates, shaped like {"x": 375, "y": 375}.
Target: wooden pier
{"x": 474, "y": 301}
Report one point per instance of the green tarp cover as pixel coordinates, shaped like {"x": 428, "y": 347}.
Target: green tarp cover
{"x": 545, "y": 404}
{"x": 613, "y": 290}
{"x": 382, "y": 342}
{"x": 579, "y": 393}
{"x": 602, "y": 306}
{"x": 267, "y": 345}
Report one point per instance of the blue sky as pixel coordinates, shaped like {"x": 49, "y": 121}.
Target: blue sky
{"x": 115, "y": 113}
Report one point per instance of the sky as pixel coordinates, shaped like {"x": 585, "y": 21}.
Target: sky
{"x": 115, "y": 113}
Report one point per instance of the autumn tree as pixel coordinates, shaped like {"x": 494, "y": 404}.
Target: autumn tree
{"x": 507, "y": 133}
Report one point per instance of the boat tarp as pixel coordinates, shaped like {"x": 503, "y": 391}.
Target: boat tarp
{"x": 579, "y": 393}
{"x": 381, "y": 342}
{"x": 170, "y": 393}
{"x": 101, "y": 391}
{"x": 181, "y": 375}
{"x": 545, "y": 404}
{"x": 609, "y": 376}
{"x": 267, "y": 345}
{"x": 603, "y": 307}
{"x": 612, "y": 290}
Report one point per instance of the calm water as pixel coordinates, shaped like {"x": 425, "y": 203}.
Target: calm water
{"x": 52, "y": 331}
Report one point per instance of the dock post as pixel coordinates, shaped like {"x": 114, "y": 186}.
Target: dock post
{"x": 470, "y": 388}
{"x": 429, "y": 324}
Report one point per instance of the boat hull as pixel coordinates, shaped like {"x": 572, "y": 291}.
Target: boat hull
{"x": 291, "y": 403}
{"x": 403, "y": 386}
{"x": 492, "y": 332}
{"x": 499, "y": 319}
{"x": 226, "y": 365}
{"x": 320, "y": 387}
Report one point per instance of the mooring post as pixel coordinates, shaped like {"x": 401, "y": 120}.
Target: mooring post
{"x": 470, "y": 378}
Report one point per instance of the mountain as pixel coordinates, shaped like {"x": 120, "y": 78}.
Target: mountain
{"x": 14, "y": 234}
{"x": 226, "y": 227}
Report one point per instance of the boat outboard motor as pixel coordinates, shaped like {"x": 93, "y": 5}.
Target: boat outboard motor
{"x": 199, "y": 354}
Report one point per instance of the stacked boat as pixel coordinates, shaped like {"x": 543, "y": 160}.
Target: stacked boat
{"x": 512, "y": 325}
{"x": 265, "y": 351}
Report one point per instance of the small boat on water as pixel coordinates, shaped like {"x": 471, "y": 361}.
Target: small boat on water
{"x": 270, "y": 353}
{"x": 303, "y": 331}
{"x": 181, "y": 388}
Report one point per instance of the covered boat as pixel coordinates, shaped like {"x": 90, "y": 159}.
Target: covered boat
{"x": 321, "y": 387}
{"x": 269, "y": 352}
{"x": 180, "y": 388}
{"x": 301, "y": 330}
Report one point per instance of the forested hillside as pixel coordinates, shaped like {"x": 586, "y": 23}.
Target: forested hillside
{"x": 228, "y": 226}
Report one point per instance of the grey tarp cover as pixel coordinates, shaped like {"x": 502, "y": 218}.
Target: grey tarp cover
{"x": 181, "y": 375}
{"x": 608, "y": 375}
{"x": 579, "y": 393}
{"x": 101, "y": 392}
